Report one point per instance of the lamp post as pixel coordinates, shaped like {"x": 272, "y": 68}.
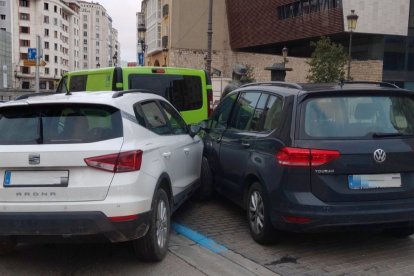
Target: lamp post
{"x": 352, "y": 19}
{"x": 285, "y": 54}
{"x": 141, "y": 37}
{"x": 165, "y": 53}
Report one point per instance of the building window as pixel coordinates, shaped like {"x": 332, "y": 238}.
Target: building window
{"x": 299, "y": 8}
{"x": 85, "y": 18}
{"x": 97, "y": 43}
{"x": 2, "y": 3}
{"x": 85, "y": 42}
{"x": 85, "y": 33}
{"x": 46, "y": 6}
{"x": 56, "y": 34}
{"x": 97, "y": 20}
{"x": 25, "y": 70}
{"x": 24, "y": 43}
{"x": 97, "y": 36}
{"x": 85, "y": 57}
{"x": 46, "y": 19}
{"x": 24, "y": 3}
{"x": 2, "y": 16}
{"x": 47, "y": 71}
{"x": 23, "y": 55}
{"x": 46, "y": 32}
{"x": 47, "y": 58}
{"x": 25, "y": 84}
{"x": 24, "y": 30}
{"x": 56, "y": 59}
{"x": 55, "y": 21}
{"x": 56, "y": 47}
{"x": 24, "y": 16}
{"x": 85, "y": 26}
{"x": 46, "y": 45}
{"x": 55, "y": 9}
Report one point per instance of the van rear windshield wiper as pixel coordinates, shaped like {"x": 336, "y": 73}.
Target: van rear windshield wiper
{"x": 387, "y": 134}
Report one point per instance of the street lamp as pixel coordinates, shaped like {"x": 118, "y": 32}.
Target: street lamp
{"x": 352, "y": 22}
{"x": 141, "y": 38}
{"x": 165, "y": 53}
{"x": 285, "y": 54}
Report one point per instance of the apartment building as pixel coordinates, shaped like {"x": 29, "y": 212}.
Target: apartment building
{"x": 6, "y": 69}
{"x": 99, "y": 39}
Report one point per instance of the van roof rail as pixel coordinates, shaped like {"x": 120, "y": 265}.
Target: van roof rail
{"x": 379, "y": 83}
{"x": 22, "y": 97}
{"x": 275, "y": 83}
{"x": 118, "y": 94}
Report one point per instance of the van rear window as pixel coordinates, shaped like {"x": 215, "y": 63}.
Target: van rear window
{"x": 359, "y": 117}
{"x": 184, "y": 92}
{"x": 58, "y": 124}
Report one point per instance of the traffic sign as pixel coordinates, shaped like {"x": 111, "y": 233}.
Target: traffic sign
{"x": 31, "y": 53}
{"x": 29, "y": 62}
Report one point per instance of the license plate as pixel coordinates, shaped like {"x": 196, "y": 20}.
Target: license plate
{"x": 374, "y": 181}
{"x": 36, "y": 178}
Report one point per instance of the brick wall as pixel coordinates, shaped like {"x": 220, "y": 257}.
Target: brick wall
{"x": 225, "y": 60}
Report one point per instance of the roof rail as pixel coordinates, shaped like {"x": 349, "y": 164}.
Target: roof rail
{"x": 275, "y": 83}
{"x": 22, "y": 97}
{"x": 121, "y": 93}
{"x": 379, "y": 83}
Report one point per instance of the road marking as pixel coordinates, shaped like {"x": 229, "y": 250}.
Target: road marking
{"x": 199, "y": 238}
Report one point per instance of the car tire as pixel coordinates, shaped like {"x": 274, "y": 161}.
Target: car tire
{"x": 7, "y": 245}
{"x": 205, "y": 190}
{"x": 400, "y": 232}
{"x": 154, "y": 245}
{"x": 258, "y": 215}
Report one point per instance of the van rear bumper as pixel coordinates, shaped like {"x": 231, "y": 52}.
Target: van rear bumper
{"x": 72, "y": 224}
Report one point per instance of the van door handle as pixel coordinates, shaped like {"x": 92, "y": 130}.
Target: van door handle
{"x": 167, "y": 155}
{"x": 187, "y": 151}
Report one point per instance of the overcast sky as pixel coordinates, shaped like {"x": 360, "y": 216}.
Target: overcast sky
{"x": 124, "y": 20}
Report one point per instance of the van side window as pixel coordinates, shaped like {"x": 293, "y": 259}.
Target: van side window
{"x": 78, "y": 83}
{"x": 184, "y": 92}
{"x": 244, "y": 110}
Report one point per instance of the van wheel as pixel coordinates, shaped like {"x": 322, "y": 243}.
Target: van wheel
{"x": 7, "y": 245}
{"x": 258, "y": 215}
{"x": 154, "y": 245}
{"x": 205, "y": 191}
{"x": 400, "y": 232}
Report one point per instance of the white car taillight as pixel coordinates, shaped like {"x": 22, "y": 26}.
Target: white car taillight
{"x": 118, "y": 162}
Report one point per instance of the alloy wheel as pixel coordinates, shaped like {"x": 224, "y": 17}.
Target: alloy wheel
{"x": 161, "y": 224}
{"x": 256, "y": 212}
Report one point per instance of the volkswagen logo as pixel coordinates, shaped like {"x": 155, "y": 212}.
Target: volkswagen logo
{"x": 379, "y": 155}
{"x": 34, "y": 159}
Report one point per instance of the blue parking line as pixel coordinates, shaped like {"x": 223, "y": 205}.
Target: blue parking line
{"x": 199, "y": 238}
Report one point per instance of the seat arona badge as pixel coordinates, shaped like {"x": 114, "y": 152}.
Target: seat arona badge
{"x": 379, "y": 155}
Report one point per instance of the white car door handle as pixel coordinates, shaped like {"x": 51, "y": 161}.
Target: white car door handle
{"x": 187, "y": 151}
{"x": 166, "y": 155}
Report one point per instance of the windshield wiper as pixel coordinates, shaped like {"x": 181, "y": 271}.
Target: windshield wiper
{"x": 387, "y": 134}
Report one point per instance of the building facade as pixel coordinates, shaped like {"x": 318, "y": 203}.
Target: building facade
{"x": 98, "y": 38}
{"x": 383, "y": 33}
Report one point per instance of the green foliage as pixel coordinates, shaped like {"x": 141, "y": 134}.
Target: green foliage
{"x": 327, "y": 61}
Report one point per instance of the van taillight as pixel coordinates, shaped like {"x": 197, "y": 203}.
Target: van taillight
{"x": 210, "y": 101}
{"x": 299, "y": 157}
{"x": 158, "y": 71}
{"x": 118, "y": 162}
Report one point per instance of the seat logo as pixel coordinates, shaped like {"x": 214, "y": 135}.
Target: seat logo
{"x": 34, "y": 159}
{"x": 379, "y": 155}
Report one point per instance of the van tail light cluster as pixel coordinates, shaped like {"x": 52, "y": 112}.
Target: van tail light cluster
{"x": 300, "y": 157}
{"x": 127, "y": 161}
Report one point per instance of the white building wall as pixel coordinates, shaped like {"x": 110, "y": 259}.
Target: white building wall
{"x": 388, "y": 17}
{"x": 5, "y": 15}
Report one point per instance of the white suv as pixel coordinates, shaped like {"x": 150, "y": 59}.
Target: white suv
{"x": 112, "y": 164}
